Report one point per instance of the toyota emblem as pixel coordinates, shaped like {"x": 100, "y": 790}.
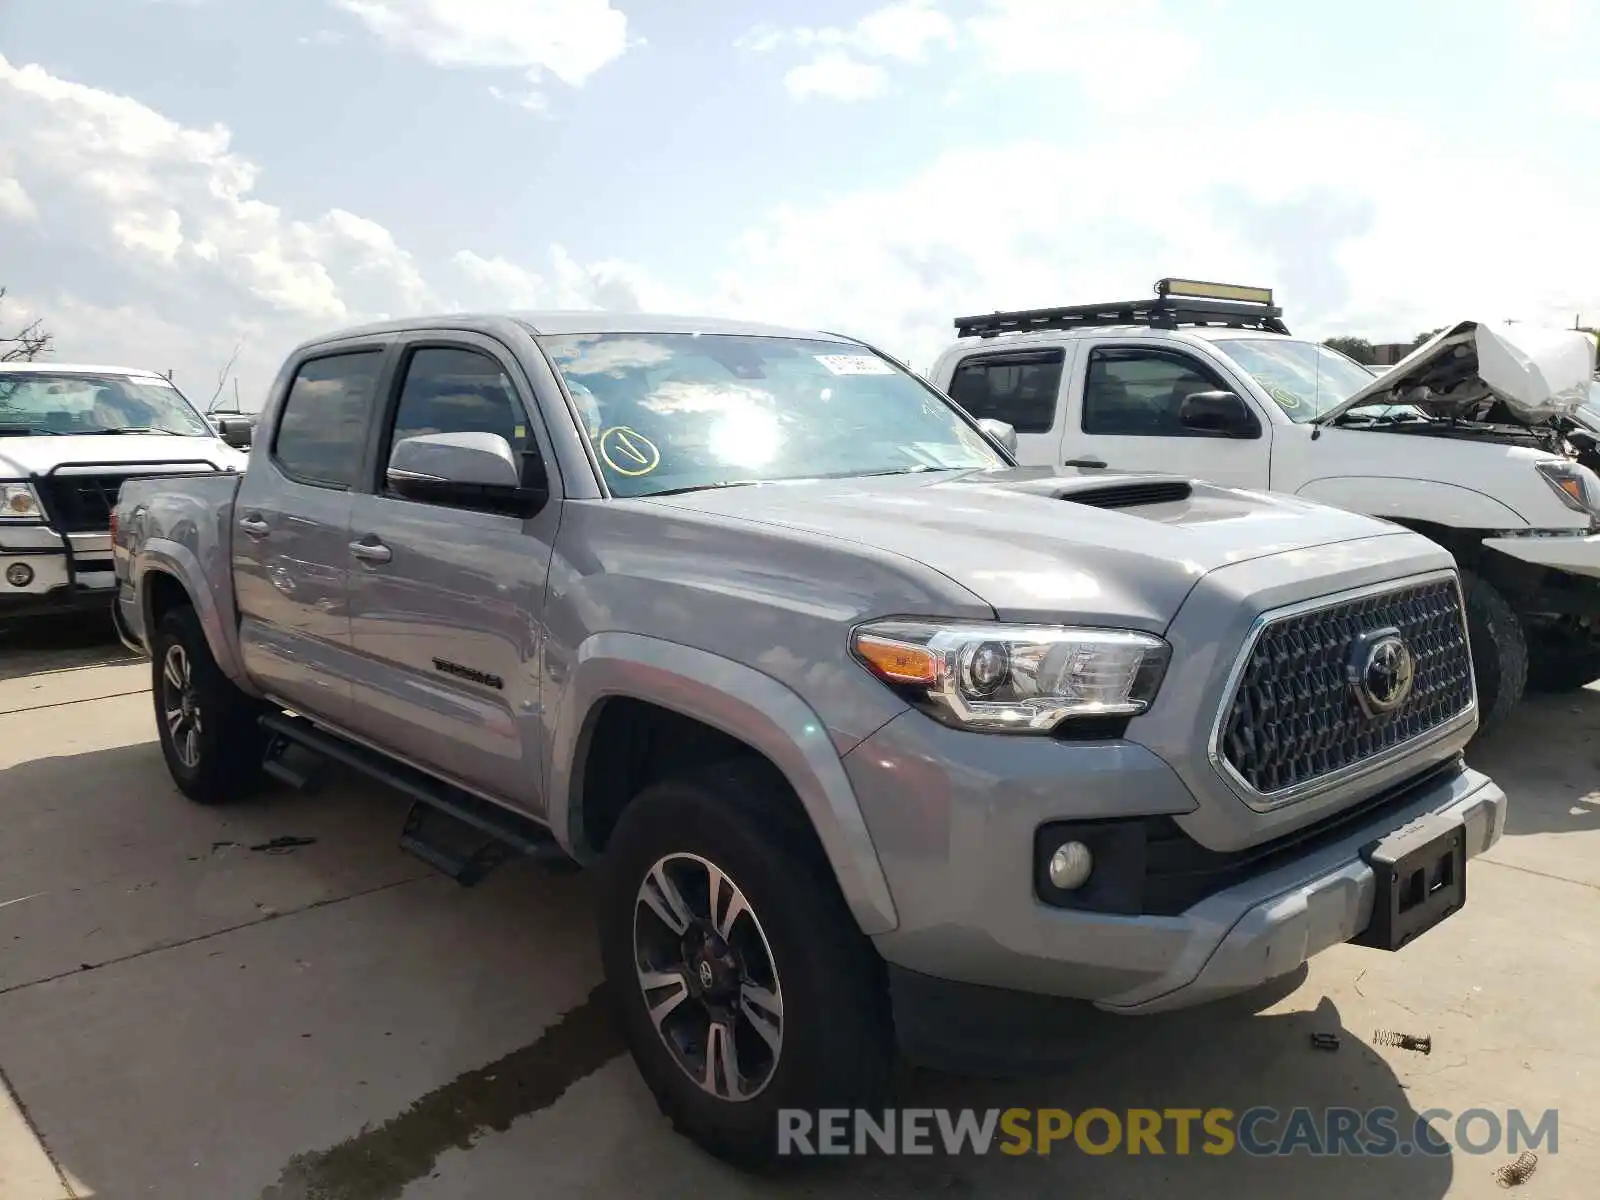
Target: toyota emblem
{"x": 1381, "y": 670}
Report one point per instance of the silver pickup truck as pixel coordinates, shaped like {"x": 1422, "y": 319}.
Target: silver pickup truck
{"x": 876, "y": 739}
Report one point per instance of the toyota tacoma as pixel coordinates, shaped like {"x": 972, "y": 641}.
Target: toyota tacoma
{"x": 873, "y": 737}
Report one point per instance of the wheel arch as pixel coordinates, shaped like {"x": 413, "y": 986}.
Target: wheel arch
{"x": 740, "y": 709}
{"x": 169, "y": 573}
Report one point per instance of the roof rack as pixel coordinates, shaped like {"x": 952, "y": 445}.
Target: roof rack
{"x": 1176, "y": 302}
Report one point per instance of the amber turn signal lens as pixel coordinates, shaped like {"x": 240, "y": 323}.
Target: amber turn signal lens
{"x": 898, "y": 662}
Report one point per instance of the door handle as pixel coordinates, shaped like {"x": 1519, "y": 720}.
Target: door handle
{"x": 372, "y": 551}
{"x": 254, "y": 526}
{"x": 1084, "y": 462}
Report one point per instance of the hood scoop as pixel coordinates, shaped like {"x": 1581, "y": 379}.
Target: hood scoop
{"x": 1129, "y": 495}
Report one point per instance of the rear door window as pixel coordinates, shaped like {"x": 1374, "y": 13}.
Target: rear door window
{"x": 322, "y": 432}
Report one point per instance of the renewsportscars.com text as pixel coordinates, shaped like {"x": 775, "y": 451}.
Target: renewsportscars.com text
{"x": 1260, "y": 1132}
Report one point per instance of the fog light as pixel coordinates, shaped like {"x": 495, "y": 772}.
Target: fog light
{"x": 1070, "y": 866}
{"x": 19, "y": 574}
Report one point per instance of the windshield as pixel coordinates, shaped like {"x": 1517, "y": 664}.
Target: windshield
{"x": 70, "y": 403}
{"x": 1304, "y": 378}
{"x": 669, "y": 412}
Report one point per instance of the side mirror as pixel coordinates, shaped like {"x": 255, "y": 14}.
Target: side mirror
{"x": 1220, "y": 414}
{"x": 237, "y": 432}
{"x": 469, "y": 470}
{"x": 1001, "y": 432}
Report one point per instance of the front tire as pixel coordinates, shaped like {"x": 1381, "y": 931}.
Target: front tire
{"x": 208, "y": 728}
{"x": 743, "y": 984}
{"x": 1499, "y": 651}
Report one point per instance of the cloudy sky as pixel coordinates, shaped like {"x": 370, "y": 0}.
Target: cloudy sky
{"x": 178, "y": 177}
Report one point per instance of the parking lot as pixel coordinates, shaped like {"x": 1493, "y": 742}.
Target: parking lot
{"x": 190, "y": 1010}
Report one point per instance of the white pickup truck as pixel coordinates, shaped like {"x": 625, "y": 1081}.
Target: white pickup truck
{"x": 1469, "y": 441}
{"x": 70, "y": 436}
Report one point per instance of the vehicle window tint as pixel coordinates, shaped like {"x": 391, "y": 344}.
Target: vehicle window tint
{"x": 1020, "y": 389}
{"x": 1140, "y": 393}
{"x": 451, "y": 390}
{"x": 322, "y": 433}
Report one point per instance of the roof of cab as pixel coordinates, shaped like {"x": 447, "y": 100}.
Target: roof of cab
{"x": 59, "y": 368}
{"x": 575, "y": 321}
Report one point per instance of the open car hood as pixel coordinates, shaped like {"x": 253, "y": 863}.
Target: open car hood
{"x": 1474, "y": 371}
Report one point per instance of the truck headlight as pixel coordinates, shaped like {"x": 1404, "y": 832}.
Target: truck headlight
{"x": 18, "y": 503}
{"x": 1013, "y": 678}
{"x": 1577, "y": 486}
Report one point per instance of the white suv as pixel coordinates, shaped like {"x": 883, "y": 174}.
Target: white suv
{"x": 1206, "y": 380}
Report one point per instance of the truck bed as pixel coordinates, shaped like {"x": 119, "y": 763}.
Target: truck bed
{"x": 184, "y": 521}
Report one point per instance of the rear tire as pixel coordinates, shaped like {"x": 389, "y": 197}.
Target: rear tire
{"x": 209, "y": 733}
{"x": 828, "y": 1044}
{"x": 1499, "y": 651}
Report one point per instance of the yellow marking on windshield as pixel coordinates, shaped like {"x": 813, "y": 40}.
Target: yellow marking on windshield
{"x": 628, "y": 452}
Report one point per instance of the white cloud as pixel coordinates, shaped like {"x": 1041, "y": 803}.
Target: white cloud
{"x": 149, "y": 244}
{"x": 1577, "y": 96}
{"x": 1123, "y": 52}
{"x": 526, "y": 99}
{"x": 902, "y": 31}
{"x": 1345, "y": 249}
{"x": 1095, "y": 44}
{"x": 15, "y": 203}
{"x": 611, "y": 284}
{"x": 570, "y": 39}
{"x": 838, "y": 68}
{"x": 505, "y": 282}
{"x": 836, "y": 76}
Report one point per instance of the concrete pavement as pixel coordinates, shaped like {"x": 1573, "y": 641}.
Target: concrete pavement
{"x": 184, "y": 1016}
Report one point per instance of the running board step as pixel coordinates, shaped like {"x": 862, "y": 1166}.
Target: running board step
{"x": 454, "y": 831}
{"x": 290, "y": 763}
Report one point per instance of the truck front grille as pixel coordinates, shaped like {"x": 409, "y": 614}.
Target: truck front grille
{"x": 79, "y": 503}
{"x": 1296, "y": 716}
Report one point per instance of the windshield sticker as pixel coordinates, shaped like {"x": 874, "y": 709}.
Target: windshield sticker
{"x": 1285, "y": 398}
{"x": 628, "y": 452}
{"x": 855, "y": 364}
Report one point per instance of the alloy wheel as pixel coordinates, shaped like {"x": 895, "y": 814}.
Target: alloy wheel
{"x": 180, "y": 705}
{"x": 708, "y": 976}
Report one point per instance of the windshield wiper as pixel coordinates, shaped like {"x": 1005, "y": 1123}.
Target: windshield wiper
{"x": 702, "y": 487}
{"x": 728, "y": 483}
{"x": 915, "y": 470}
{"x": 27, "y": 431}
{"x": 114, "y": 432}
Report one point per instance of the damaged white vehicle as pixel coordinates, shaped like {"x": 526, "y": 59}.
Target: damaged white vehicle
{"x": 1486, "y": 439}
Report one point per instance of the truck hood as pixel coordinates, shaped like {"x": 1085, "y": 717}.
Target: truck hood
{"x": 21, "y": 457}
{"x": 1476, "y": 372}
{"x": 1044, "y": 544}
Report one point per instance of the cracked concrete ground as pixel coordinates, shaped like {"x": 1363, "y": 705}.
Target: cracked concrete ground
{"x": 184, "y": 1016}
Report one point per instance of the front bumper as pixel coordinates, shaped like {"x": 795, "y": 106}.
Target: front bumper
{"x": 954, "y": 816}
{"x": 1248, "y": 935}
{"x": 64, "y": 572}
{"x": 1559, "y": 550}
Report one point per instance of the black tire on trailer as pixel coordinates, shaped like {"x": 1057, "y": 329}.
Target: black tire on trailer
{"x": 1499, "y": 651}
{"x": 209, "y": 732}
{"x": 794, "y": 992}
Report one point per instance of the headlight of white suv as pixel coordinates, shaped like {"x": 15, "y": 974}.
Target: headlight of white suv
{"x": 1014, "y": 678}
{"x": 1577, "y": 486}
{"x": 18, "y": 503}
